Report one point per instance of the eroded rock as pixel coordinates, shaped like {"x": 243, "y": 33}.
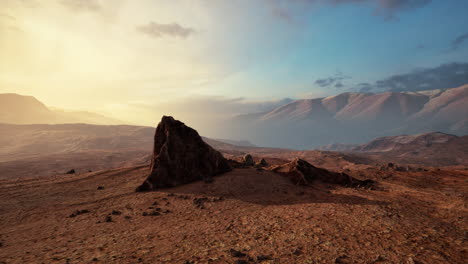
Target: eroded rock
{"x": 180, "y": 156}
{"x": 301, "y": 172}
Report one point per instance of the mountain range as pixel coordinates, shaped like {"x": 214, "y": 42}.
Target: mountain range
{"x": 21, "y": 109}
{"x": 355, "y": 118}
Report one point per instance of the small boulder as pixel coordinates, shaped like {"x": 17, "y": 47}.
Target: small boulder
{"x": 248, "y": 160}
{"x": 261, "y": 163}
{"x": 72, "y": 171}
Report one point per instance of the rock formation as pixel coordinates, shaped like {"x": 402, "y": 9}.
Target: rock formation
{"x": 261, "y": 163}
{"x": 301, "y": 172}
{"x": 248, "y": 160}
{"x": 181, "y": 156}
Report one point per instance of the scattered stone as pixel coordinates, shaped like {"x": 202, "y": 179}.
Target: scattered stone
{"x": 108, "y": 219}
{"x": 183, "y": 197}
{"x": 100, "y": 187}
{"x": 116, "y": 212}
{"x": 95, "y": 259}
{"x": 152, "y": 213}
{"x": 379, "y": 259}
{"x": 127, "y": 217}
{"x": 236, "y": 254}
{"x": 368, "y": 184}
{"x": 241, "y": 261}
{"x": 343, "y": 259}
{"x": 248, "y": 160}
{"x": 181, "y": 156}
{"x": 297, "y": 252}
{"x": 72, "y": 171}
{"x": 200, "y": 202}
{"x": 78, "y": 212}
{"x": 219, "y": 199}
{"x": 263, "y": 258}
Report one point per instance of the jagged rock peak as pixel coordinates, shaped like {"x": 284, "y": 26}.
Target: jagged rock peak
{"x": 181, "y": 156}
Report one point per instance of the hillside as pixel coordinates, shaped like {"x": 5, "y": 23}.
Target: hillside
{"x": 20, "y": 109}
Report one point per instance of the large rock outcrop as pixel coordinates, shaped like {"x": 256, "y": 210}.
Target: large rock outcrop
{"x": 180, "y": 156}
{"x": 301, "y": 172}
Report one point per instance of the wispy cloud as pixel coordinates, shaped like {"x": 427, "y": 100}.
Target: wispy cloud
{"x": 444, "y": 76}
{"x": 332, "y": 81}
{"x": 157, "y": 30}
{"x": 457, "y": 42}
{"x": 82, "y": 5}
{"x": 386, "y": 8}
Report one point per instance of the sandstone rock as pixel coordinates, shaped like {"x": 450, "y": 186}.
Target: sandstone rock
{"x": 301, "y": 172}
{"x": 180, "y": 156}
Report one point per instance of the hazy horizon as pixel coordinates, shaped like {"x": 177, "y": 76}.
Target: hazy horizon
{"x": 133, "y": 60}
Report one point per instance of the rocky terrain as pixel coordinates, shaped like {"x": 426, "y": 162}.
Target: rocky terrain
{"x": 267, "y": 209}
{"x": 417, "y": 217}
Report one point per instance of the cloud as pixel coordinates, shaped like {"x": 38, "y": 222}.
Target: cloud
{"x": 157, "y": 30}
{"x": 386, "y": 8}
{"x": 444, "y": 76}
{"x": 82, "y": 5}
{"x": 456, "y": 43}
{"x": 335, "y": 81}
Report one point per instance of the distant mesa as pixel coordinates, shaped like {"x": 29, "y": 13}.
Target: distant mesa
{"x": 181, "y": 156}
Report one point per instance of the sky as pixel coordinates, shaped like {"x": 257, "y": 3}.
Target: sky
{"x": 138, "y": 59}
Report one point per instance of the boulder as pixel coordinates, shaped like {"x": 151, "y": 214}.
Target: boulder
{"x": 261, "y": 163}
{"x": 248, "y": 160}
{"x": 181, "y": 156}
{"x": 301, "y": 172}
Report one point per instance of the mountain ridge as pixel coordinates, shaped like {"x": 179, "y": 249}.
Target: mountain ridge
{"x": 356, "y": 118}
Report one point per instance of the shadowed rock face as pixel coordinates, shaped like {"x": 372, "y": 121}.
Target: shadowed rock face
{"x": 301, "y": 172}
{"x": 181, "y": 156}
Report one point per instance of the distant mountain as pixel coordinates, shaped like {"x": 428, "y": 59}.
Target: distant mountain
{"x": 355, "y": 118}
{"x": 406, "y": 142}
{"x": 20, "y": 109}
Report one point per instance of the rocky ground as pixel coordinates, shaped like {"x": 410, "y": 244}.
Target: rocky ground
{"x": 244, "y": 216}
